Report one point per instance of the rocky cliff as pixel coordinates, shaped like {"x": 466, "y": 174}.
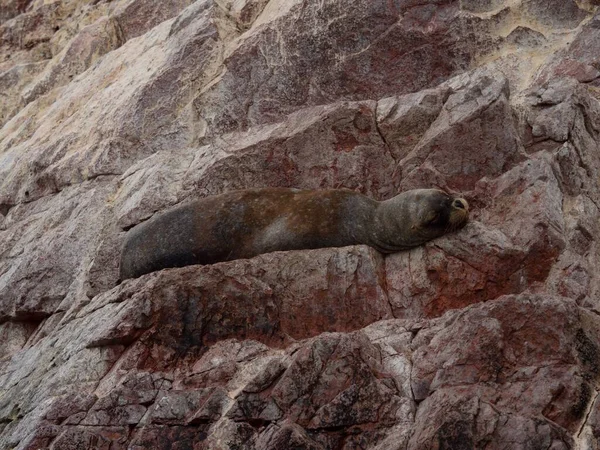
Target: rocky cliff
{"x": 112, "y": 111}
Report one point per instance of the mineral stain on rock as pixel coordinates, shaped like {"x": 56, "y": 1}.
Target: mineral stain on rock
{"x": 114, "y": 111}
{"x": 589, "y": 354}
{"x": 455, "y": 436}
{"x": 582, "y": 401}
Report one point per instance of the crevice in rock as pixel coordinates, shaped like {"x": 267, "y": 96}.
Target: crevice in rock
{"x": 594, "y": 201}
{"x": 204, "y": 421}
{"x": 129, "y": 227}
{"x": 125, "y": 341}
{"x": 386, "y": 145}
{"x": 240, "y": 25}
{"x": 5, "y": 208}
{"x": 414, "y": 332}
{"x": 588, "y": 413}
{"x": 382, "y": 274}
{"x": 34, "y": 317}
{"x": 115, "y": 366}
{"x": 98, "y": 175}
{"x": 573, "y": 141}
{"x": 121, "y": 40}
{"x": 130, "y": 431}
{"x": 256, "y": 423}
{"x": 332, "y": 429}
{"x": 58, "y": 189}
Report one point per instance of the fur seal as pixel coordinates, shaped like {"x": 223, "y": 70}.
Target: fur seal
{"x": 243, "y": 224}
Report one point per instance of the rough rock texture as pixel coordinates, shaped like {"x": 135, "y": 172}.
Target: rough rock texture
{"x": 112, "y": 111}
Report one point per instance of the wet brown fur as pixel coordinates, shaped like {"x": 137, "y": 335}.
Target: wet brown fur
{"x": 243, "y": 224}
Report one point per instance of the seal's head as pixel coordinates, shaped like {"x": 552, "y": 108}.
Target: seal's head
{"x": 415, "y": 217}
{"x": 438, "y": 213}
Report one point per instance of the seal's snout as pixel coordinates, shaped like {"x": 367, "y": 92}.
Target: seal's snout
{"x": 460, "y": 203}
{"x": 459, "y": 215}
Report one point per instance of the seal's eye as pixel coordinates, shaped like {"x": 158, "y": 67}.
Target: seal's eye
{"x": 433, "y": 218}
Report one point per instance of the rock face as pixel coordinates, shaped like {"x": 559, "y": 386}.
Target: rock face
{"x": 113, "y": 111}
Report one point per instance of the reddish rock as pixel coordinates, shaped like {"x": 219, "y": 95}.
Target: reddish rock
{"x": 245, "y": 12}
{"x": 91, "y": 43}
{"x": 12, "y": 82}
{"x": 177, "y": 437}
{"x": 569, "y": 68}
{"x": 302, "y": 58}
{"x": 512, "y": 245}
{"x": 88, "y": 437}
{"x": 473, "y": 266}
{"x": 331, "y": 384}
{"x": 404, "y": 120}
{"x": 338, "y": 145}
{"x": 38, "y": 281}
{"x": 558, "y": 14}
{"x": 473, "y": 136}
{"x": 66, "y": 155}
{"x": 12, "y": 8}
{"x": 136, "y": 17}
{"x": 31, "y": 30}
{"x": 453, "y": 419}
{"x": 15, "y": 336}
{"x": 244, "y": 299}
{"x": 492, "y": 362}
{"x": 285, "y": 436}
